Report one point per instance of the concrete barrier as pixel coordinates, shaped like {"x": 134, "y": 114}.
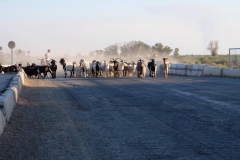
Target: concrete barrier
{"x": 189, "y": 69}
{"x": 9, "y": 98}
{"x": 229, "y": 72}
{"x": 194, "y": 70}
{"x": 200, "y": 69}
{"x": 207, "y": 70}
{"x": 183, "y": 69}
{"x": 2, "y": 121}
{"x": 236, "y": 72}
{"x": 212, "y": 71}
{"x": 172, "y": 69}
{"x": 178, "y": 69}
{"x": 203, "y": 70}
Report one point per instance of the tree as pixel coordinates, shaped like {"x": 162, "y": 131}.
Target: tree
{"x": 157, "y": 48}
{"x": 161, "y": 50}
{"x": 111, "y": 50}
{"x": 144, "y": 49}
{"x": 135, "y": 48}
{"x": 99, "y": 52}
{"x": 213, "y": 47}
{"x": 176, "y": 52}
{"x": 167, "y": 50}
{"x": 128, "y": 49}
{"x": 125, "y": 49}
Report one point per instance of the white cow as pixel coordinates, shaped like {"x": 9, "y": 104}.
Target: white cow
{"x": 102, "y": 69}
{"x": 120, "y": 68}
{"x": 111, "y": 69}
{"x": 72, "y": 67}
{"x": 166, "y": 65}
{"x": 84, "y": 68}
{"x": 131, "y": 70}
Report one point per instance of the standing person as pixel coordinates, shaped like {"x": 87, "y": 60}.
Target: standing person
{"x": 47, "y": 57}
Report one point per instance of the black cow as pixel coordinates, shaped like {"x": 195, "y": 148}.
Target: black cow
{"x": 12, "y": 68}
{"x": 53, "y": 68}
{"x": 40, "y": 70}
{"x": 98, "y": 73}
{"x": 141, "y": 68}
{"x": 152, "y": 68}
{"x": 31, "y": 71}
{"x": 115, "y": 67}
{"x": 1, "y": 68}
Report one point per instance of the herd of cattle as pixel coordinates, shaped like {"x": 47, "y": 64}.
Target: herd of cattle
{"x": 113, "y": 68}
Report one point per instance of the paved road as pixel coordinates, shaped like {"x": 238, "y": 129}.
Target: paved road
{"x": 126, "y": 118}
{"x": 4, "y": 81}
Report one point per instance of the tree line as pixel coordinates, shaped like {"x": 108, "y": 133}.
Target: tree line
{"x": 134, "y": 49}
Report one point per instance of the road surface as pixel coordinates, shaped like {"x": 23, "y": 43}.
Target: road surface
{"x": 125, "y": 118}
{"x": 5, "y": 80}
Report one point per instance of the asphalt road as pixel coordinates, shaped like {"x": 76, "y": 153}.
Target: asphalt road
{"x": 5, "y": 80}
{"x": 125, "y": 118}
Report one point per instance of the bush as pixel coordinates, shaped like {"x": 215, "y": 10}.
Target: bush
{"x": 220, "y": 61}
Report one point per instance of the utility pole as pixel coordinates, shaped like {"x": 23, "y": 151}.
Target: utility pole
{"x": 11, "y": 45}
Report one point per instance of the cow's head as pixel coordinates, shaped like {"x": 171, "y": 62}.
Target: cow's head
{"x": 81, "y": 61}
{"x": 53, "y": 62}
{"x": 33, "y": 66}
{"x": 164, "y": 59}
{"x": 13, "y": 68}
{"x": 62, "y": 61}
{"x": 115, "y": 60}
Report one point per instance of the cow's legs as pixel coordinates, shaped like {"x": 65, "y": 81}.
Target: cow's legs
{"x": 45, "y": 74}
{"x": 65, "y": 71}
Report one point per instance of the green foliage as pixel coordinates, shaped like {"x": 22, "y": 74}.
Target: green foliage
{"x": 135, "y": 48}
{"x": 99, "y": 52}
{"x": 161, "y": 50}
{"x": 220, "y": 61}
{"x": 111, "y": 50}
{"x": 176, "y": 52}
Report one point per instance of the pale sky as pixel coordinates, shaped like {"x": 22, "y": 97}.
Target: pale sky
{"x": 73, "y": 26}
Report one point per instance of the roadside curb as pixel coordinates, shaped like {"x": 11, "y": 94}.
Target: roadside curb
{"x": 9, "y": 98}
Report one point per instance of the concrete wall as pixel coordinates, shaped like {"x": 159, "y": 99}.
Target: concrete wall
{"x": 203, "y": 70}
{"x": 9, "y": 98}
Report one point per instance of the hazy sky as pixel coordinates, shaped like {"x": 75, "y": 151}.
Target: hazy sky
{"x": 73, "y": 26}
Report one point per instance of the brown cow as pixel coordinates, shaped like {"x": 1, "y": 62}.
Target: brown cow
{"x": 166, "y": 67}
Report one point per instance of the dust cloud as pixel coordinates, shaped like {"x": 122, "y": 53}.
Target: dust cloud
{"x": 37, "y": 59}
